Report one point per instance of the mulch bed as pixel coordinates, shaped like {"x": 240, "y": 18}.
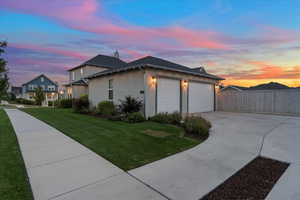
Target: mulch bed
{"x": 252, "y": 182}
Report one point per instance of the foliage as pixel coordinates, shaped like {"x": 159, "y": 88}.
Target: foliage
{"x": 25, "y": 101}
{"x": 130, "y": 105}
{"x": 167, "y": 118}
{"x": 65, "y": 103}
{"x": 106, "y": 108}
{"x": 135, "y": 117}
{"x": 197, "y": 126}
{"x": 81, "y": 105}
{"x": 14, "y": 184}
{"x": 39, "y": 96}
{"x": 50, "y": 103}
{"x": 3, "y": 72}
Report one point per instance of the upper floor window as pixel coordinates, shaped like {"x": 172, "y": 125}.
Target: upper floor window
{"x": 81, "y": 71}
{"x": 51, "y": 87}
{"x": 43, "y": 87}
{"x": 110, "y": 89}
{"x": 42, "y": 79}
{"x": 73, "y": 76}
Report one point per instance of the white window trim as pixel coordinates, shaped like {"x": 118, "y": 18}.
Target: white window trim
{"x": 73, "y": 76}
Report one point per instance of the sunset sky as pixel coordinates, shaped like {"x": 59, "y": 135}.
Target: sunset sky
{"x": 245, "y": 41}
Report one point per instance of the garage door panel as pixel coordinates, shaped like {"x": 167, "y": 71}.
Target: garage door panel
{"x": 168, "y": 95}
{"x": 201, "y": 97}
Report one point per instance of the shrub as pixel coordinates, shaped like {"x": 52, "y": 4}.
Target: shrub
{"x": 50, "y": 103}
{"x": 135, "y": 117}
{"x": 166, "y": 118}
{"x": 25, "y": 101}
{"x": 197, "y": 126}
{"x": 175, "y": 118}
{"x": 161, "y": 118}
{"x": 81, "y": 105}
{"x": 130, "y": 105}
{"x": 65, "y": 103}
{"x": 106, "y": 108}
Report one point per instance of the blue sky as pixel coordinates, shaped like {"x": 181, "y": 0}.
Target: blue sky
{"x": 247, "y": 42}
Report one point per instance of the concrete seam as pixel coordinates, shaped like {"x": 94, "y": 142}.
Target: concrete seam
{"x": 149, "y": 186}
{"x": 268, "y": 133}
{"x": 84, "y": 186}
{"x": 58, "y": 161}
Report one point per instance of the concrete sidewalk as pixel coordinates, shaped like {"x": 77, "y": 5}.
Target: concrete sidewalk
{"x": 59, "y": 168}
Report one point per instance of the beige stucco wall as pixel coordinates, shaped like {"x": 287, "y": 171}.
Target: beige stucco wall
{"x": 87, "y": 70}
{"x": 150, "y": 88}
{"x": 124, "y": 84}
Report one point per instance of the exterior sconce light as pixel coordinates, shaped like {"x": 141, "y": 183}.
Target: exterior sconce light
{"x": 153, "y": 80}
{"x": 184, "y": 83}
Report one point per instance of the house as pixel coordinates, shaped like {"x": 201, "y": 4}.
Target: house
{"x": 265, "y": 86}
{"x": 163, "y": 86}
{"x": 49, "y": 87}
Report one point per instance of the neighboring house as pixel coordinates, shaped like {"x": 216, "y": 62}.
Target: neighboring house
{"x": 265, "y": 86}
{"x": 49, "y": 87}
{"x": 163, "y": 86}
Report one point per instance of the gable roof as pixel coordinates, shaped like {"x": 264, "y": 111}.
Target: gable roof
{"x": 157, "y": 63}
{"x": 269, "y": 86}
{"x": 102, "y": 61}
{"x": 39, "y": 77}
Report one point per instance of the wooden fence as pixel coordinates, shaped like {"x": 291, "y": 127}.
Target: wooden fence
{"x": 260, "y": 101}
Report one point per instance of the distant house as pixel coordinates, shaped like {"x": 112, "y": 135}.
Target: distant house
{"x": 265, "y": 86}
{"x": 49, "y": 87}
{"x": 163, "y": 86}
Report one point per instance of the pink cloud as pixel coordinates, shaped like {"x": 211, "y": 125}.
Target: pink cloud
{"x": 67, "y": 53}
{"x": 81, "y": 15}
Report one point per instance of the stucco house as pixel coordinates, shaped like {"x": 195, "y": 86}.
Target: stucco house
{"x": 49, "y": 87}
{"x": 163, "y": 86}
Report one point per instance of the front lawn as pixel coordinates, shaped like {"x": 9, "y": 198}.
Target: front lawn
{"x": 14, "y": 184}
{"x": 126, "y": 145}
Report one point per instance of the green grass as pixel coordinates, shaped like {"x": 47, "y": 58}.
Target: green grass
{"x": 126, "y": 145}
{"x": 14, "y": 184}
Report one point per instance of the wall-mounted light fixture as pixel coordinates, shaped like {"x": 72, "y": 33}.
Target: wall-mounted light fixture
{"x": 184, "y": 83}
{"x": 153, "y": 80}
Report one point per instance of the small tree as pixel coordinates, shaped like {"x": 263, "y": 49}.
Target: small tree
{"x": 3, "y": 72}
{"x": 39, "y": 96}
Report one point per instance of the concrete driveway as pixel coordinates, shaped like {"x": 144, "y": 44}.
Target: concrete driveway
{"x": 236, "y": 139}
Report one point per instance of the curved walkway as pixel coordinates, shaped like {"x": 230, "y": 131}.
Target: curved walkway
{"x": 235, "y": 140}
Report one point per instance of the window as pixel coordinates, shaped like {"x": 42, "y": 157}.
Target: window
{"x": 110, "y": 89}
{"x": 81, "y": 71}
{"x": 43, "y": 87}
{"x": 42, "y": 79}
{"x": 51, "y": 87}
{"x": 73, "y": 76}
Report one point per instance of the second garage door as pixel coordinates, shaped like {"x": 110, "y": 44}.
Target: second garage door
{"x": 201, "y": 97}
{"x": 168, "y": 95}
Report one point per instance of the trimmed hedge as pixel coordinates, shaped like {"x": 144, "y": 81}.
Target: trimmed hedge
{"x": 167, "y": 118}
{"x": 25, "y": 101}
{"x": 135, "y": 117}
{"x": 106, "y": 108}
{"x": 65, "y": 103}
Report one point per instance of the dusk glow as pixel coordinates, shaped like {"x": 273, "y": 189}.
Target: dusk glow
{"x": 246, "y": 42}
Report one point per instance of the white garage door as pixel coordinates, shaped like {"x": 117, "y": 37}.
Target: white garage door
{"x": 201, "y": 97}
{"x": 168, "y": 95}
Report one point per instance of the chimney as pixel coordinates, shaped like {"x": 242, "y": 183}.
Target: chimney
{"x": 116, "y": 54}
